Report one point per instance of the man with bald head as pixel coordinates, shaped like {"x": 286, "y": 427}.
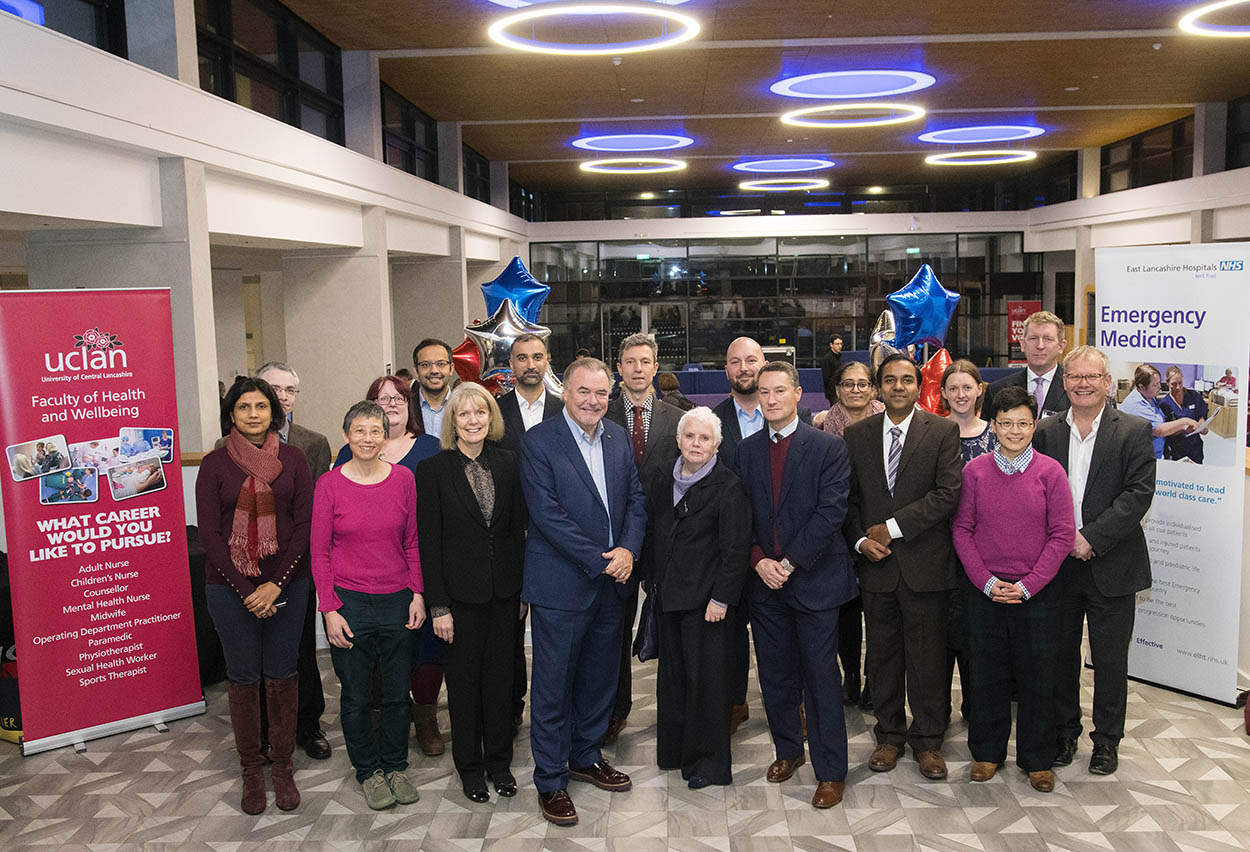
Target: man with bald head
{"x": 740, "y": 416}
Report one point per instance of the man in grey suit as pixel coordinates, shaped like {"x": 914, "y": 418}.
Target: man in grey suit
{"x": 315, "y": 447}
{"x": 651, "y": 425}
{"x": 1111, "y": 469}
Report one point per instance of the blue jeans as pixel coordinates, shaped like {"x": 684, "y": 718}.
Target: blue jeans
{"x": 258, "y": 647}
{"x": 379, "y": 641}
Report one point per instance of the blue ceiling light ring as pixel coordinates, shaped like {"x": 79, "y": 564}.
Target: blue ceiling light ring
{"x": 892, "y": 113}
{"x": 1192, "y": 21}
{"x": 993, "y": 157}
{"x": 784, "y": 164}
{"x": 835, "y": 85}
{"x": 618, "y": 142}
{"x": 981, "y": 134}
{"x": 632, "y": 166}
{"x": 783, "y": 184}
{"x": 686, "y": 27}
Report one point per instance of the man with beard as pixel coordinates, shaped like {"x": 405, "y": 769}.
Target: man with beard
{"x": 525, "y": 406}
{"x": 740, "y": 416}
{"x": 432, "y": 358}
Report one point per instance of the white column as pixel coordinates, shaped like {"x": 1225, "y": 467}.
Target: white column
{"x": 1084, "y": 265}
{"x": 231, "y": 325}
{"x": 160, "y": 34}
{"x": 430, "y": 299}
{"x": 1210, "y": 138}
{"x": 1088, "y": 172}
{"x": 362, "y": 102}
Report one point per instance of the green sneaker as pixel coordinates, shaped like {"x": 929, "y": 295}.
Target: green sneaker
{"x": 402, "y": 788}
{"x": 377, "y": 792}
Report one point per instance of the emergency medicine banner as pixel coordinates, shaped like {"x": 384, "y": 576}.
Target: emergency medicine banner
{"x": 1183, "y": 309}
{"x": 94, "y": 514}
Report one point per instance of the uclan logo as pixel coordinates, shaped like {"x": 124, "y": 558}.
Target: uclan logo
{"x": 94, "y": 350}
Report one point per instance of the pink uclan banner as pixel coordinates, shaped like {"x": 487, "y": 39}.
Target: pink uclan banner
{"x": 93, "y": 514}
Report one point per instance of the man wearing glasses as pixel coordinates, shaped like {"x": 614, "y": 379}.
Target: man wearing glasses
{"x": 1109, "y": 562}
{"x": 432, "y": 358}
{"x": 1043, "y": 378}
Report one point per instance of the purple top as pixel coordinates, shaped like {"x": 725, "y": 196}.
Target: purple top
{"x": 217, "y": 493}
{"x": 364, "y": 537}
{"x": 1017, "y": 528}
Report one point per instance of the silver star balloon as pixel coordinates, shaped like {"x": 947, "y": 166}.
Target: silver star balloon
{"x": 494, "y": 337}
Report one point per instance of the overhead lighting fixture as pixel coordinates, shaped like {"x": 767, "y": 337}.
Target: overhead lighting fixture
{"x": 783, "y": 184}
{"x": 785, "y": 164}
{"x": 26, "y": 9}
{"x": 982, "y": 134}
{"x": 891, "y": 113}
{"x": 833, "y": 85}
{"x": 1192, "y": 22}
{"x": 876, "y": 190}
{"x": 980, "y": 158}
{"x": 632, "y": 166}
{"x": 678, "y": 28}
{"x": 633, "y": 142}
{"x": 520, "y": 4}
{"x": 752, "y": 212}
{"x": 777, "y": 212}
{"x": 646, "y": 196}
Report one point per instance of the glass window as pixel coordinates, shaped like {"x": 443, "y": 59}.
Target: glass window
{"x": 313, "y": 65}
{"x": 84, "y": 20}
{"x": 315, "y": 121}
{"x": 256, "y": 94}
{"x": 254, "y": 29}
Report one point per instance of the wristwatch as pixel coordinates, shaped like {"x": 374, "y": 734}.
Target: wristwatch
{"x": 787, "y": 565}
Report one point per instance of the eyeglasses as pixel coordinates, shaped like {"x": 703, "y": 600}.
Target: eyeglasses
{"x": 388, "y": 400}
{"x": 285, "y": 391}
{"x": 1078, "y": 378}
{"x": 425, "y": 365}
{"x": 1013, "y": 425}
{"x": 862, "y": 384}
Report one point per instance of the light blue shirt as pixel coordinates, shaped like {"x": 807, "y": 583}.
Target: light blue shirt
{"x": 431, "y": 417}
{"x": 749, "y": 424}
{"x": 591, "y": 448}
{"x": 1148, "y": 409}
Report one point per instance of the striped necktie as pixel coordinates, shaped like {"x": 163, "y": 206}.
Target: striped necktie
{"x": 896, "y": 451}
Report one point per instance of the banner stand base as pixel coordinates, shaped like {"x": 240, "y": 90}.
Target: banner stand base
{"x": 78, "y": 738}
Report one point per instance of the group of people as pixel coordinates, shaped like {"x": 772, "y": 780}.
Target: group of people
{"x": 983, "y": 539}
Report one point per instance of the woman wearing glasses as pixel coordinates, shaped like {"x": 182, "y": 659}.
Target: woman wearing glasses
{"x": 406, "y": 445}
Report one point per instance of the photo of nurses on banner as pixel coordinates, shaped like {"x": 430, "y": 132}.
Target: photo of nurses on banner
{"x": 1192, "y": 408}
{"x": 38, "y": 457}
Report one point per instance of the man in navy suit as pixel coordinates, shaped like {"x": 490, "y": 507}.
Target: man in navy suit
{"x": 1042, "y": 343}
{"x": 798, "y": 480}
{"x": 587, "y": 518}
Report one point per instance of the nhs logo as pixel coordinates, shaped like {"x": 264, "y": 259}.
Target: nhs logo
{"x": 1231, "y": 265}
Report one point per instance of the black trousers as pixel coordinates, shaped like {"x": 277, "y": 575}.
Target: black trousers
{"x": 907, "y": 660}
{"x": 740, "y": 618}
{"x": 520, "y": 678}
{"x": 1110, "y": 621}
{"x": 692, "y": 695}
{"x": 478, "y": 670}
{"x": 1012, "y": 643}
{"x": 850, "y": 637}
{"x": 312, "y": 699}
{"x": 624, "y": 701}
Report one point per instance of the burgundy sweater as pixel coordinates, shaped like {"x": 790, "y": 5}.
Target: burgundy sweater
{"x": 1017, "y": 528}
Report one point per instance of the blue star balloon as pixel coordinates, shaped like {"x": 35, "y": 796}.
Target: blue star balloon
{"x": 515, "y": 282}
{"x": 922, "y": 310}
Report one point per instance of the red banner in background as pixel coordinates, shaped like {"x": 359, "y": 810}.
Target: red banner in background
{"x": 93, "y": 514}
{"x": 1017, "y": 313}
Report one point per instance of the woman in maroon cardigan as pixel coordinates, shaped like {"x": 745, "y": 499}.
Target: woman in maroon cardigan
{"x": 254, "y": 500}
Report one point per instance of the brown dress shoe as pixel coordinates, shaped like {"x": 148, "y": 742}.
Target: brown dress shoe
{"x": 781, "y": 770}
{"x": 737, "y": 715}
{"x": 828, "y": 794}
{"x": 1043, "y": 781}
{"x": 603, "y": 776}
{"x": 557, "y": 807}
{"x": 425, "y": 721}
{"x": 983, "y": 770}
{"x": 884, "y": 757}
{"x": 932, "y": 764}
{"x": 615, "y": 725}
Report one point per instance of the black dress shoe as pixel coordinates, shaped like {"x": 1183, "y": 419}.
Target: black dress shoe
{"x": 1104, "y": 760}
{"x": 476, "y": 794}
{"x": 314, "y": 743}
{"x": 505, "y": 784}
{"x": 865, "y": 698}
{"x": 1065, "y": 751}
{"x": 851, "y": 689}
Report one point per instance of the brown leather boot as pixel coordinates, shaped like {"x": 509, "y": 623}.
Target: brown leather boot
{"x": 245, "y": 720}
{"x": 282, "y": 699}
{"x": 429, "y": 740}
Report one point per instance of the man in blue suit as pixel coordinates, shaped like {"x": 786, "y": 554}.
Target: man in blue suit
{"x": 587, "y": 518}
{"x": 798, "y": 480}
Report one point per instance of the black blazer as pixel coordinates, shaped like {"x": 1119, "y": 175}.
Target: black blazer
{"x": 697, "y": 550}
{"x": 1056, "y": 397}
{"x": 926, "y": 495}
{"x": 731, "y": 433}
{"x": 462, "y": 557}
{"x": 1118, "y": 493}
{"x": 514, "y": 426}
{"x": 661, "y": 449}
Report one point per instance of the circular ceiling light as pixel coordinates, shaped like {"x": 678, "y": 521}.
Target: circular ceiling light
{"x": 1192, "y": 22}
{"x": 632, "y": 166}
{"x": 980, "y": 158}
{"x": 982, "y": 134}
{"x": 517, "y": 4}
{"x": 783, "y": 184}
{"x": 832, "y": 85}
{"x": 685, "y": 28}
{"x": 785, "y": 164}
{"x": 890, "y": 114}
{"x": 633, "y": 142}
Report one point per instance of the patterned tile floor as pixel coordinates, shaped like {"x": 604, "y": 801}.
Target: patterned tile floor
{"x": 1183, "y": 784}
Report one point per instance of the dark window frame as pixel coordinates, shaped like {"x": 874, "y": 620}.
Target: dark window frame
{"x": 420, "y": 156}
{"x": 1238, "y": 153}
{"x": 110, "y": 26}
{"x": 476, "y": 175}
{"x": 1134, "y": 161}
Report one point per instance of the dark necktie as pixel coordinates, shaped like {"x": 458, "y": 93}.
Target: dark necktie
{"x": 639, "y": 437}
{"x": 896, "y": 452}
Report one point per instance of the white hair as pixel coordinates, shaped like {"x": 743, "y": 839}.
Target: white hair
{"x": 705, "y": 414}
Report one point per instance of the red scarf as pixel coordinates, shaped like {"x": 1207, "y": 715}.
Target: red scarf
{"x": 254, "y": 534}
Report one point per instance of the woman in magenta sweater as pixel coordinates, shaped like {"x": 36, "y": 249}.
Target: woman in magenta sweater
{"x": 1012, "y": 531}
{"x": 367, "y": 567}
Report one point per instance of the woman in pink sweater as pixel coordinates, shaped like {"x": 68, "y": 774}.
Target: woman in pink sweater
{"x": 367, "y": 568}
{"x": 1012, "y": 531}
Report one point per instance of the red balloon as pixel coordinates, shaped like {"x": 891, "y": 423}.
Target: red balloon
{"x": 467, "y": 360}
{"x": 931, "y": 382}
